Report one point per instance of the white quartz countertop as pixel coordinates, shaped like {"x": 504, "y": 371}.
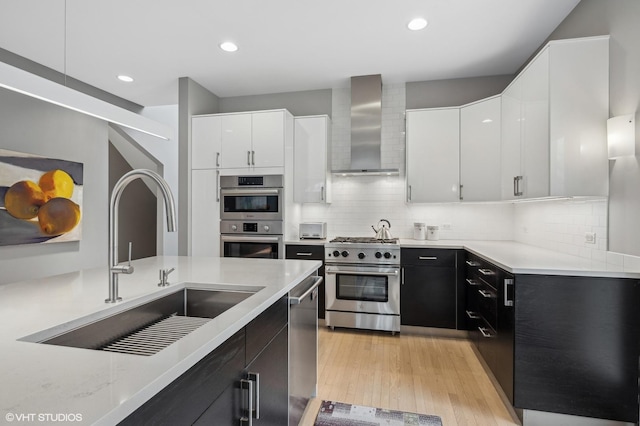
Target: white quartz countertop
{"x": 49, "y": 384}
{"x": 519, "y": 258}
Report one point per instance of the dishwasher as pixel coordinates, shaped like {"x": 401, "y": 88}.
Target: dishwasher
{"x": 303, "y": 346}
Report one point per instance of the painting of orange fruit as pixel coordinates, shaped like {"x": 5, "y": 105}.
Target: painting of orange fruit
{"x": 40, "y": 199}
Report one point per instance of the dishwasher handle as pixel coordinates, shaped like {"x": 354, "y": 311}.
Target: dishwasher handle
{"x": 298, "y": 300}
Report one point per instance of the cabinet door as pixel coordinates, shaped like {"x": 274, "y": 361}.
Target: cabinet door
{"x": 433, "y": 155}
{"x": 480, "y": 151}
{"x": 271, "y": 388}
{"x": 236, "y": 140}
{"x": 535, "y": 127}
{"x": 505, "y": 340}
{"x": 268, "y": 139}
{"x": 205, "y": 142}
{"x": 310, "y": 163}
{"x": 428, "y": 297}
{"x": 510, "y": 139}
{"x": 205, "y": 213}
{"x": 579, "y": 109}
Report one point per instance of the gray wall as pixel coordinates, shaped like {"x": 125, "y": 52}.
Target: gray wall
{"x": 454, "y": 92}
{"x": 137, "y": 221}
{"x": 310, "y": 102}
{"x": 32, "y": 126}
{"x": 193, "y": 99}
{"x": 620, "y": 19}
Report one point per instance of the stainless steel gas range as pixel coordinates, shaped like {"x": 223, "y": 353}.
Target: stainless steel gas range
{"x": 362, "y": 283}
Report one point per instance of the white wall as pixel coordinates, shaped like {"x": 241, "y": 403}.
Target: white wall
{"x": 32, "y": 126}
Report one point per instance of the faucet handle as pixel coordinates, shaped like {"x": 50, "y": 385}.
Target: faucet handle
{"x": 124, "y": 269}
{"x": 164, "y": 276}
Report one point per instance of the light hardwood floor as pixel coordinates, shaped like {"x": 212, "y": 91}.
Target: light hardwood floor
{"x": 408, "y": 372}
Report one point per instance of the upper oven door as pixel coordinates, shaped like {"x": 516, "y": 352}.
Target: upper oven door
{"x": 251, "y": 203}
{"x": 371, "y": 289}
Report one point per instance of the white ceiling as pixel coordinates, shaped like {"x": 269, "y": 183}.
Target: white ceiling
{"x": 285, "y": 45}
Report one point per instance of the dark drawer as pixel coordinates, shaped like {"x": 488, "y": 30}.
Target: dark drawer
{"x": 264, "y": 328}
{"x": 488, "y": 304}
{"x": 428, "y": 257}
{"x": 309, "y": 252}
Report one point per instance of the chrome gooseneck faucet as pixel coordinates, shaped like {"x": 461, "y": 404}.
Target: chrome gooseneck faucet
{"x": 170, "y": 212}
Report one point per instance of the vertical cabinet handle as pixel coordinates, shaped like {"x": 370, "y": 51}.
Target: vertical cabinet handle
{"x": 507, "y": 282}
{"x": 217, "y": 159}
{"x": 409, "y": 192}
{"x": 460, "y": 193}
{"x": 248, "y": 158}
{"x": 515, "y": 186}
{"x": 402, "y": 275}
{"x": 255, "y": 379}
{"x": 218, "y": 186}
{"x": 247, "y": 415}
{"x": 253, "y": 158}
{"x": 322, "y": 193}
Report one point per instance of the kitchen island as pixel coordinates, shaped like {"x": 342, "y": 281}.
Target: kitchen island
{"x": 83, "y": 386}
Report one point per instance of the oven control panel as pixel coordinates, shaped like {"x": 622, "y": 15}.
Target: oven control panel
{"x": 363, "y": 254}
{"x": 251, "y": 227}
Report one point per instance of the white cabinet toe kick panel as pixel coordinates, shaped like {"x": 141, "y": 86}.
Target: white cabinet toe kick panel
{"x": 363, "y": 321}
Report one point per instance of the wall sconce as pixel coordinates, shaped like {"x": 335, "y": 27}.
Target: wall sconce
{"x": 621, "y": 136}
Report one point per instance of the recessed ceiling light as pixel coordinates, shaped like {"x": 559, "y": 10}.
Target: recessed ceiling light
{"x": 228, "y": 46}
{"x": 125, "y": 78}
{"x": 487, "y": 120}
{"x": 417, "y": 24}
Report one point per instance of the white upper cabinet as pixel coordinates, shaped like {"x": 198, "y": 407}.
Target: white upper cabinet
{"x": 433, "y": 155}
{"x": 579, "y": 108}
{"x": 525, "y": 132}
{"x": 205, "y": 142}
{"x": 480, "y": 151}
{"x": 554, "y": 123}
{"x": 240, "y": 141}
{"x": 312, "y": 161}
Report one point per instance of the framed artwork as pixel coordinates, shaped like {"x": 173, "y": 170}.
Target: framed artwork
{"x": 40, "y": 199}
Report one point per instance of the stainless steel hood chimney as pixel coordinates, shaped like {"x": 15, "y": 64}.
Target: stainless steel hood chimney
{"x": 366, "y": 127}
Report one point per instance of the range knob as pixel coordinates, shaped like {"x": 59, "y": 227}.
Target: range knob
{"x": 234, "y": 227}
{"x": 387, "y": 255}
{"x": 361, "y": 255}
{"x": 336, "y": 253}
{"x": 345, "y": 253}
{"x": 378, "y": 255}
{"x": 266, "y": 228}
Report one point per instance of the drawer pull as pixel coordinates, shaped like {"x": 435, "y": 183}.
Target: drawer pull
{"x": 486, "y": 271}
{"x": 428, "y": 257}
{"x": 485, "y": 293}
{"x": 507, "y": 283}
{"x": 472, "y": 263}
{"x": 485, "y": 333}
{"x": 303, "y": 254}
{"x": 473, "y": 315}
{"x": 472, "y": 282}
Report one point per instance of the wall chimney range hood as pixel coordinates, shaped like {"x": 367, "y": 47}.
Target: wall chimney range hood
{"x": 366, "y": 128}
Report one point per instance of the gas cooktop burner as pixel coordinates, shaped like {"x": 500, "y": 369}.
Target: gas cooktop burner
{"x": 363, "y": 240}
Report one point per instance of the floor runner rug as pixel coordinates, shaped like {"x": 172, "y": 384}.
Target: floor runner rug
{"x": 332, "y": 413}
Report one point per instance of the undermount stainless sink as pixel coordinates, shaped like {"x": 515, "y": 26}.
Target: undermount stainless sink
{"x": 150, "y": 327}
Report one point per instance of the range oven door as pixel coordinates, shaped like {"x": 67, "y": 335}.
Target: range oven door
{"x": 250, "y": 246}
{"x": 251, "y": 203}
{"x": 369, "y": 289}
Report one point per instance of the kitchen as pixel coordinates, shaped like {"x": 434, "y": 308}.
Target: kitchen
{"x": 359, "y": 202}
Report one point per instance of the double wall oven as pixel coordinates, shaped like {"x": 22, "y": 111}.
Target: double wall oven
{"x": 251, "y": 216}
{"x": 362, "y": 284}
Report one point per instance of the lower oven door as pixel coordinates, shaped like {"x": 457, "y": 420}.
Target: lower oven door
{"x": 370, "y": 289}
{"x": 253, "y": 246}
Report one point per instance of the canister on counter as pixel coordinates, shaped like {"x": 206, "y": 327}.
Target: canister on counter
{"x": 419, "y": 231}
{"x": 433, "y": 233}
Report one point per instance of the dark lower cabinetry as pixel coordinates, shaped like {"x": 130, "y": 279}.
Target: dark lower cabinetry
{"x": 577, "y": 346}
{"x": 429, "y": 289}
{"x": 310, "y": 252}
{"x": 215, "y": 390}
{"x": 557, "y": 344}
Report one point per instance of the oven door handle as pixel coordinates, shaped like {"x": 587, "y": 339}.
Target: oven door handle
{"x": 249, "y": 192}
{"x": 381, "y": 274}
{"x": 250, "y": 238}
